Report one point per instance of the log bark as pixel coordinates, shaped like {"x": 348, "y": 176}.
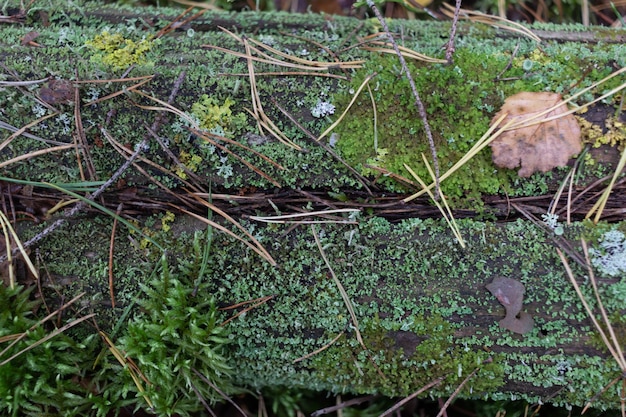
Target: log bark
{"x": 419, "y": 297}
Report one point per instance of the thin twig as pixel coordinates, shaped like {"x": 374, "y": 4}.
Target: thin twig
{"x": 455, "y": 20}
{"x": 81, "y": 205}
{"x": 418, "y": 100}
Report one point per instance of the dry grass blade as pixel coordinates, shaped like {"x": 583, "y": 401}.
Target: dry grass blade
{"x": 166, "y": 107}
{"x": 386, "y": 48}
{"x": 316, "y": 351}
{"x": 127, "y": 154}
{"x": 219, "y": 391}
{"x": 455, "y": 393}
{"x": 342, "y": 290}
{"x": 604, "y": 198}
{"x": 311, "y": 65}
{"x": 341, "y": 405}
{"x": 483, "y": 142}
{"x": 354, "y": 97}
{"x": 610, "y": 341}
{"x": 410, "y": 397}
{"x": 128, "y": 364}
{"x": 297, "y": 62}
{"x": 48, "y": 337}
{"x": 289, "y": 218}
{"x": 259, "y": 301}
{"x": 612, "y": 346}
{"x": 123, "y": 91}
{"x": 262, "y": 120}
{"x": 492, "y": 20}
{"x": 40, "y": 322}
{"x": 447, "y": 213}
{"x": 9, "y": 234}
{"x": 21, "y": 130}
{"x": 211, "y": 138}
{"x": 36, "y": 153}
{"x": 492, "y": 133}
{"x": 255, "y": 246}
{"x": 177, "y": 22}
{"x": 539, "y": 117}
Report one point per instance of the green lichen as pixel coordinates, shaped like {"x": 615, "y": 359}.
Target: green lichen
{"x": 117, "y": 52}
{"x": 214, "y": 116}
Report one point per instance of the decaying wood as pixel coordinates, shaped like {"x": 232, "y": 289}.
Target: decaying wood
{"x": 400, "y": 265}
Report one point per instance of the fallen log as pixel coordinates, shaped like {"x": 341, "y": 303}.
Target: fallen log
{"x": 380, "y": 296}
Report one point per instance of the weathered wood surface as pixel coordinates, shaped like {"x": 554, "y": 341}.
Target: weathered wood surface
{"x": 410, "y": 282}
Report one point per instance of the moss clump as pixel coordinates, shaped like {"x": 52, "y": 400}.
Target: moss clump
{"x": 459, "y": 100}
{"x": 117, "y": 52}
{"x": 41, "y": 381}
{"x": 398, "y": 361}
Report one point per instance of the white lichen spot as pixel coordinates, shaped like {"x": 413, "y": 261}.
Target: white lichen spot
{"x": 552, "y": 221}
{"x": 38, "y": 110}
{"x": 322, "y": 109}
{"x": 65, "y": 119}
{"x": 610, "y": 257}
{"x": 267, "y": 39}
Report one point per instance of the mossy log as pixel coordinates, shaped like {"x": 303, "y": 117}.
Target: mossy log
{"x": 419, "y": 297}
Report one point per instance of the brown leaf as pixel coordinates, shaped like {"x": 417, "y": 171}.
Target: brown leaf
{"x": 29, "y": 38}
{"x": 510, "y": 293}
{"x": 540, "y": 147}
{"x": 57, "y": 92}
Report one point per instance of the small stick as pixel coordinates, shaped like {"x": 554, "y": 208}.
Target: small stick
{"x": 418, "y": 101}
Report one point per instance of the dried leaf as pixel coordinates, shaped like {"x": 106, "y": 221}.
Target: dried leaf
{"x": 57, "y": 92}
{"x": 29, "y": 38}
{"x": 542, "y": 146}
{"x": 510, "y": 293}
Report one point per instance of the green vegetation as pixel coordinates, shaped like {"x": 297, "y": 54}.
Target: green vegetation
{"x": 409, "y": 279}
{"x": 118, "y": 53}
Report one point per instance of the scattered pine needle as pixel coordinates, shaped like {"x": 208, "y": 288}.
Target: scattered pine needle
{"x": 257, "y": 302}
{"x": 447, "y": 213}
{"x": 491, "y": 20}
{"x": 598, "y": 207}
{"x": 611, "y": 341}
{"x": 48, "y": 337}
{"x": 9, "y": 237}
{"x": 385, "y": 48}
{"x": 400, "y": 403}
{"x": 290, "y": 218}
{"x": 342, "y": 291}
{"x": 127, "y": 363}
{"x": 354, "y": 97}
{"x": 316, "y": 351}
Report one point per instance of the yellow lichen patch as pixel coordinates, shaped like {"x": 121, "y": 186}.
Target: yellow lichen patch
{"x": 166, "y": 221}
{"x": 211, "y": 114}
{"x": 190, "y": 161}
{"x": 117, "y": 52}
{"x": 615, "y": 134}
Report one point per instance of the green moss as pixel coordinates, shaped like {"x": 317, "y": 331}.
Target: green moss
{"x": 459, "y": 101}
{"x": 425, "y": 352}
